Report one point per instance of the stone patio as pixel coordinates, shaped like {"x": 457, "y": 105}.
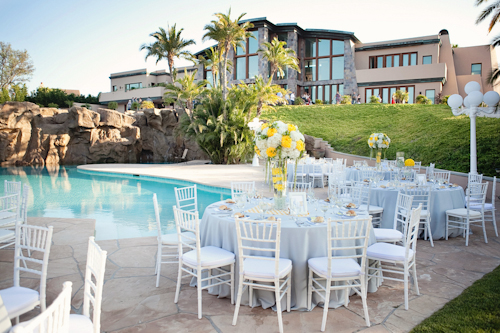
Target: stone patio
{"x": 132, "y": 303}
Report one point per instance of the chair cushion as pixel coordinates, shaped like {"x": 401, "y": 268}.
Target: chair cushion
{"x": 210, "y": 256}
{"x": 16, "y": 299}
{"x": 6, "y": 234}
{"x": 7, "y": 215}
{"x": 387, "y": 235}
{"x": 255, "y": 268}
{"x": 423, "y": 213}
{"x": 373, "y": 209}
{"x": 463, "y": 212}
{"x": 487, "y": 206}
{"x": 386, "y": 251}
{"x": 340, "y": 267}
{"x": 316, "y": 174}
{"x": 172, "y": 239}
{"x": 80, "y": 324}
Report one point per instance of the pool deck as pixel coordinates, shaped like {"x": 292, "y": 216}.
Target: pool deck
{"x": 132, "y": 303}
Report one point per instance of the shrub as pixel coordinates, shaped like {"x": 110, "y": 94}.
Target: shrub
{"x": 53, "y": 105}
{"x": 135, "y": 105}
{"x": 112, "y": 105}
{"x": 299, "y": 101}
{"x": 87, "y": 106}
{"x": 318, "y": 101}
{"x": 444, "y": 100}
{"x": 346, "y": 99}
{"x": 374, "y": 99}
{"x": 69, "y": 103}
{"x": 147, "y": 105}
{"x": 421, "y": 99}
{"x": 401, "y": 96}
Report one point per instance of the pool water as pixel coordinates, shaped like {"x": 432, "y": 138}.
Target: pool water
{"x": 122, "y": 205}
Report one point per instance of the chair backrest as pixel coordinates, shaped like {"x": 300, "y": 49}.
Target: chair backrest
{"x": 348, "y": 239}
{"x": 350, "y": 194}
{"x": 94, "y": 282}
{"x": 317, "y": 169}
{"x": 53, "y": 320}
{"x": 299, "y": 187}
{"x": 367, "y": 173}
{"x": 11, "y": 187}
{"x": 34, "y": 239}
{"x": 189, "y": 221}
{"x": 328, "y": 160}
{"x": 444, "y": 175}
{"x": 242, "y": 187}
{"x": 476, "y": 196}
{"x": 475, "y": 178}
{"x": 402, "y": 212}
{"x": 391, "y": 164}
{"x": 358, "y": 163}
{"x": 412, "y": 234}
{"x": 421, "y": 195}
{"x": 187, "y": 198}
{"x": 184, "y": 154}
{"x": 365, "y": 195}
{"x": 417, "y": 166}
{"x": 9, "y": 208}
{"x": 259, "y": 238}
{"x": 23, "y": 212}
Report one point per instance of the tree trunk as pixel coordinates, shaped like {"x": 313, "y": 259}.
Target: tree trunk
{"x": 259, "y": 108}
{"x": 224, "y": 85}
{"x": 274, "y": 69}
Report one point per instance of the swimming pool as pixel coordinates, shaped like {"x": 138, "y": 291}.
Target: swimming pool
{"x": 122, "y": 205}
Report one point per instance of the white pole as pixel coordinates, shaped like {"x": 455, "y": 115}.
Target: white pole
{"x": 473, "y": 153}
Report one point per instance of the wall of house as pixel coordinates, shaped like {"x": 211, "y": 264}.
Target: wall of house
{"x": 464, "y": 57}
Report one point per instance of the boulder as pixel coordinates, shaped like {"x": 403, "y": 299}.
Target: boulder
{"x": 114, "y": 118}
{"x": 81, "y": 117}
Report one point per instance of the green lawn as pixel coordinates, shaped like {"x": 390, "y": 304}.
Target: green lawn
{"x": 427, "y": 133}
{"x": 477, "y": 309}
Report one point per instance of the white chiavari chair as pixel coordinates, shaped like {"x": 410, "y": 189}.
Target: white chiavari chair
{"x": 242, "y": 187}
{"x": 187, "y": 198}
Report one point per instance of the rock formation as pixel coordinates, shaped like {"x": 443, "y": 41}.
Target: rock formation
{"x": 30, "y": 135}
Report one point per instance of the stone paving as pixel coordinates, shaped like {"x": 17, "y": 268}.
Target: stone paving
{"x": 132, "y": 303}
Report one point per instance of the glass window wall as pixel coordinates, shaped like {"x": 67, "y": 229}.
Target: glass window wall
{"x": 253, "y": 44}
{"x": 324, "y": 69}
{"x": 310, "y": 47}
{"x": 241, "y": 68}
{"x": 253, "y": 66}
{"x": 337, "y": 47}
{"x": 323, "y": 47}
{"x": 310, "y": 70}
{"x": 337, "y": 68}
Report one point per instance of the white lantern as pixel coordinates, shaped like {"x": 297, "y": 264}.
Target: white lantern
{"x": 491, "y": 98}
{"x": 472, "y": 86}
{"x": 455, "y": 101}
{"x": 466, "y": 102}
{"x": 475, "y": 98}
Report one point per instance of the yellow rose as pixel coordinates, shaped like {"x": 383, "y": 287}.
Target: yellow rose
{"x": 286, "y": 141}
{"x": 276, "y": 171}
{"x": 409, "y": 162}
{"x": 291, "y": 128}
{"x": 277, "y": 179}
{"x": 264, "y": 126}
{"x": 300, "y": 145}
{"x": 279, "y": 187}
{"x": 271, "y": 152}
{"x": 271, "y": 132}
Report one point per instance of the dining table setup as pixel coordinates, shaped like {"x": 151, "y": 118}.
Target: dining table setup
{"x": 302, "y": 237}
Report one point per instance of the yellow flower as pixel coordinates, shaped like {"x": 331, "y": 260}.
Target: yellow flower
{"x": 300, "y": 145}
{"x": 271, "y": 132}
{"x": 271, "y": 152}
{"x": 277, "y": 179}
{"x": 276, "y": 171}
{"x": 371, "y": 144}
{"x": 291, "y": 128}
{"x": 264, "y": 125}
{"x": 286, "y": 141}
{"x": 409, "y": 162}
{"x": 279, "y": 187}
{"x": 257, "y": 151}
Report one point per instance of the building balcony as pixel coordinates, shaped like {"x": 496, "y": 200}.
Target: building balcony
{"x": 401, "y": 75}
{"x": 120, "y": 96}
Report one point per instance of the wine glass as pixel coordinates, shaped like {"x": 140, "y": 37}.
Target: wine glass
{"x": 241, "y": 201}
{"x": 294, "y": 210}
{"x": 324, "y": 207}
{"x": 262, "y": 206}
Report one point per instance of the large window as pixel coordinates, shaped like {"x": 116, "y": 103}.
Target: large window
{"x": 387, "y": 93}
{"x": 246, "y": 59}
{"x": 393, "y": 60}
{"x": 324, "y": 59}
{"x": 430, "y": 94}
{"x": 130, "y": 86}
{"x": 325, "y": 93}
{"x": 475, "y": 69}
{"x": 426, "y": 60}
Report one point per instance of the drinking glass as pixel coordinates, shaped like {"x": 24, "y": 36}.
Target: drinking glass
{"x": 262, "y": 206}
{"x": 324, "y": 207}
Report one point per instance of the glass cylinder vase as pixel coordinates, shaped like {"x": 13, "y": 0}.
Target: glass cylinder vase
{"x": 279, "y": 173}
{"x": 379, "y": 159}
{"x": 400, "y": 159}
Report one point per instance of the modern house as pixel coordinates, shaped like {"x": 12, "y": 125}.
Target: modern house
{"x": 334, "y": 61}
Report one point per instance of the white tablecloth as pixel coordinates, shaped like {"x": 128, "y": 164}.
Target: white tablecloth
{"x": 441, "y": 201}
{"x": 297, "y": 244}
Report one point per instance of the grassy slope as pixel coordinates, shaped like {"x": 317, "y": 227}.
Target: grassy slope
{"x": 427, "y": 133}
{"x": 477, "y": 309}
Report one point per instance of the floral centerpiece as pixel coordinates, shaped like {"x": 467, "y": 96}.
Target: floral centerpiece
{"x": 278, "y": 142}
{"x": 378, "y": 141}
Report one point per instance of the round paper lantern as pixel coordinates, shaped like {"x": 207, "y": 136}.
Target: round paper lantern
{"x": 472, "y": 86}
{"x": 491, "y": 98}
{"x": 455, "y": 101}
{"x": 466, "y": 101}
{"x": 475, "y": 98}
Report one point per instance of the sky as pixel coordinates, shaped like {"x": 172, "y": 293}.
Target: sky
{"x": 77, "y": 44}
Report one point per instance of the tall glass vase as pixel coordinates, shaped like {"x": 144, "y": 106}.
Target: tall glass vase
{"x": 279, "y": 173}
{"x": 379, "y": 159}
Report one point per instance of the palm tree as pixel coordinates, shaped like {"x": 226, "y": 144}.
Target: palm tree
{"x": 494, "y": 10}
{"x": 170, "y": 45}
{"x": 279, "y": 57}
{"x": 213, "y": 59}
{"x": 184, "y": 91}
{"x": 228, "y": 34}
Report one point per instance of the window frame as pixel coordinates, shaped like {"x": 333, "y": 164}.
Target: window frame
{"x": 246, "y": 55}
{"x": 316, "y": 58}
{"x": 480, "y": 71}
{"x": 373, "y": 60}
{"x": 423, "y": 59}
{"x": 381, "y": 89}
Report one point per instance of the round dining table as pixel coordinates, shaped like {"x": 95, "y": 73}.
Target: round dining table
{"x": 443, "y": 198}
{"x": 300, "y": 241}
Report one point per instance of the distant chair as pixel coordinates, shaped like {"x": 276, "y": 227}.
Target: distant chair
{"x": 316, "y": 174}
{"x": 474, "y": 178}
{"x": 444, "y": 175}
{"x": 302, "y": 173}
{"x": 183, "y": 157}
{"x": 422, "y": 196}
{"x": 401, "y": 218}
{"x": 241, "y": 187}
{"x": 187, "y": 198}
{"x": 92, "y": 292}
{"x": 53, "y": 320}
{"x": 417, "y": 166}
{"x": 299, "y": 187}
